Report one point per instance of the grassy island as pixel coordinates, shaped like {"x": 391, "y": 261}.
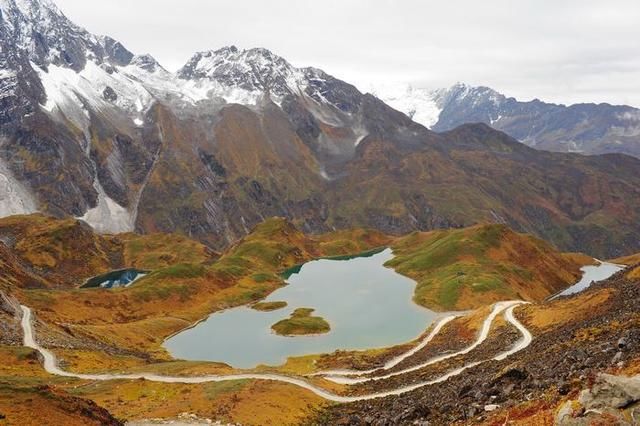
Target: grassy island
{"x": 301, "y": 323}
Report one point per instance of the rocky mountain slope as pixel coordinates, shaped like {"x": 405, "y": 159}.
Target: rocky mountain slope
{"x": 91, "y": 130}
{"x": 583, "y": 128}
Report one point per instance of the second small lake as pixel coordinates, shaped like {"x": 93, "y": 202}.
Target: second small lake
{"x": 115, "y": 279}
{"x": 591, "y": 274}
{"x": 366, "y": 304}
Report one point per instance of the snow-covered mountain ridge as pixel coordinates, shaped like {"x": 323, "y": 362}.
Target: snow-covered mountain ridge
{"x": 55, "y": 46}
{"x": 91, "y": 130}
{"x": 583, "y": 128}
{"x": 73, "y": 75}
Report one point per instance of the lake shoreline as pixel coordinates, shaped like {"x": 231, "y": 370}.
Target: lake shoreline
{"x": 341, "y": 294}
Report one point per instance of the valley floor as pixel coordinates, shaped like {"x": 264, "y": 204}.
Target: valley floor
{"x": 104, "y": 364}
{"x": 499, "y": 373}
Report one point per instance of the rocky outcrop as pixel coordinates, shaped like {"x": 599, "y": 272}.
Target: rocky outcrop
{"x": 10, "y": 313}
{"x": 611, "y": 400}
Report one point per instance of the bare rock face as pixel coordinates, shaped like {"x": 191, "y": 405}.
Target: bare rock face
{"x": 611, "y": 400}
{"x": 10, "y": 312}
{"x": 611, "y": 391}
{"x": 9, "y": 304}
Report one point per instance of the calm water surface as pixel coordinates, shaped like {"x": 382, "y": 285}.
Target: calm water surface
{"x": 367, "y": 305}
{"x": 114, "y": 279}
{"x": 590, "y": 274}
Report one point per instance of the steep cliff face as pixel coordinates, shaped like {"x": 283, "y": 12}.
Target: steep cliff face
{"x": 47, "y": 124}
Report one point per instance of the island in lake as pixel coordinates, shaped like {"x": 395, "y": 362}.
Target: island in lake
{"x": 301, "y": 323}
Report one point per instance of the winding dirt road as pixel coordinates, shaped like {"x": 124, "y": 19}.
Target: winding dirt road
{"x": 51, "y": 363}
{"x": 345, "y": 376}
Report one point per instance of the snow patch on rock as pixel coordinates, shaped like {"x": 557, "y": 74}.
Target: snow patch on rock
{"x": 15, "y": 198}
{"x": 67, "y": 90}
{"x": 6, "y": 74}
{"x": 108, "y": 217}
{"x": 360, "y": 134}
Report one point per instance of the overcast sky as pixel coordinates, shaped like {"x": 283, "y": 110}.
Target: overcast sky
{"x": 556, "y": 50}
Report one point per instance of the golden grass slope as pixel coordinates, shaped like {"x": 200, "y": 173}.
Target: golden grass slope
{"x": 63, "y": 253}
{"x": 628, "y": 260}
{"x": 632, "y": 260}
{"x": 455, "y": 269}
{"x": 188, "y": 282}
{"x": 29, "y": 396}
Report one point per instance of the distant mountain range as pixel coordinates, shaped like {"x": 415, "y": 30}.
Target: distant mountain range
{"x": 582, "y": 128}
{"x": 91, "y": 130}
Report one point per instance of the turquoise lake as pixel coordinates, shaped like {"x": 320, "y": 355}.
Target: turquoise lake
{"x": 366, "y": 304}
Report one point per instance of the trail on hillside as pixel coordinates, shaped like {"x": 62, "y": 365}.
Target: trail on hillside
{"x": 51, "y": 363}
{"x": 346, "y": 376}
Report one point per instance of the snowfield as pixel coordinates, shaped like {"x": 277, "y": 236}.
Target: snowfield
{"x": 419, "y": 104}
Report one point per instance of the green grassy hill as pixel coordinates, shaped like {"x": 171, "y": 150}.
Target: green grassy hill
{"x": 471, "y": 267}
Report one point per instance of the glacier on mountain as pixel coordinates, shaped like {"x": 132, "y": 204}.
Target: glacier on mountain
{"x": 419, "y": 104}
{"x": 84, "y": 76}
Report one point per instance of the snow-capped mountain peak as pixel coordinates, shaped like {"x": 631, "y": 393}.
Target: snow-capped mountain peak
{"x": 147, "y": 63}
{"x": 253, "y": 71}
{"x": 40, "y": 29}
{"x": 427, "y": 106}
{"x": 464, "y": 92}
{"x": 51, "y": 67}
{"x": 246, "y": 75}
{"x": 32, "y": 9}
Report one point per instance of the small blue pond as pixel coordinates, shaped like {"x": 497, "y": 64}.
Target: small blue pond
{"x": 115, "y": 279}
